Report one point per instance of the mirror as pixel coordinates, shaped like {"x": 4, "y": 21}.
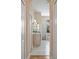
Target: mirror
{"x": 40, "y": 28}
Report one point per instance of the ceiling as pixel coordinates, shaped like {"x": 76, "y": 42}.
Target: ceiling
{"x": 42, "y": 6}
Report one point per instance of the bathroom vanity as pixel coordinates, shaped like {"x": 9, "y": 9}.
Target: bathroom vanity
{"x": 36, "y": 39}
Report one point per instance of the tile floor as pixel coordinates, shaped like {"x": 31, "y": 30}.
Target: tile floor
{"x": 43, "y": 49}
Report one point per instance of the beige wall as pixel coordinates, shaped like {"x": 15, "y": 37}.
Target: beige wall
{"x": 37, "y": 16}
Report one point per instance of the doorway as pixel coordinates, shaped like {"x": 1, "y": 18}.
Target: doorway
{"x": 39, "y": 29}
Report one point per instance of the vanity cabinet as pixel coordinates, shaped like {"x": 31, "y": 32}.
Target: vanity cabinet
{"x": 36, "y": 40}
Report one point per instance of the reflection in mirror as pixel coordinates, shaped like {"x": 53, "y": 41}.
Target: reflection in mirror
{"x": 40, "y": 28}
